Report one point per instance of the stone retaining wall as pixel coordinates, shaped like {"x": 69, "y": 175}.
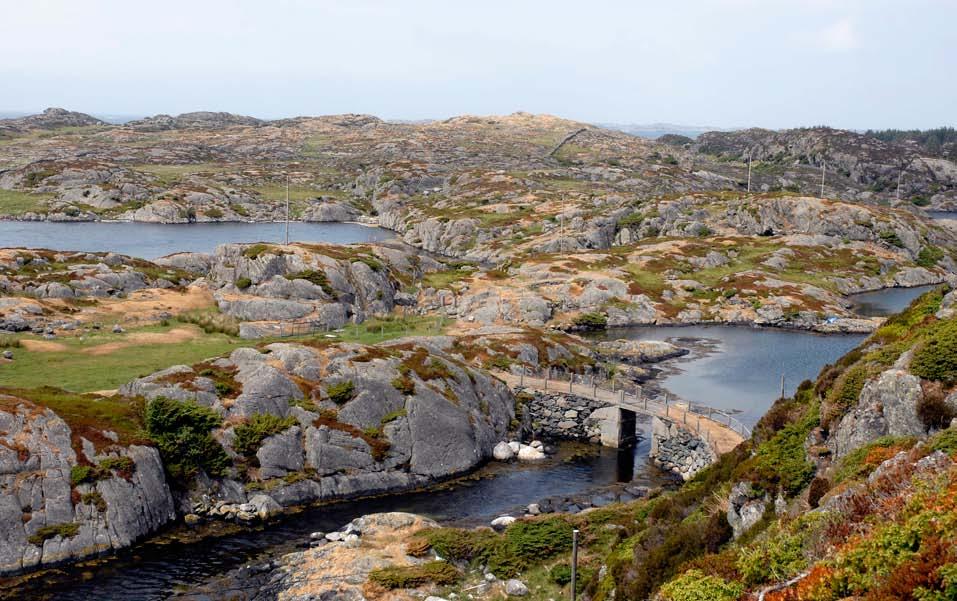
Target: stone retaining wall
{"x": 561, "y": 416}
{"x": 679, "y": 450}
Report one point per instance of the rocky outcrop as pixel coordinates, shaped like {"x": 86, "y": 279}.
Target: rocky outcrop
{"x": 194, "y": 120}
{"x": 62, "y": 498}
{"x": 887, "y": 406}
{"x": 367, "y": 420}
{"x": 51, "y": 118}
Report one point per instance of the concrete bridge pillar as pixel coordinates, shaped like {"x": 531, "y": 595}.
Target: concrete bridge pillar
{"x": 618, "y": 429}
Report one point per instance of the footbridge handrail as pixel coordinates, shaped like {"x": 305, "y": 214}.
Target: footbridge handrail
{"x": 589, "y": 387}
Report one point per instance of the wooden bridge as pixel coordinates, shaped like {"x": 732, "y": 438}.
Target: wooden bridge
{"x": 721, "y": 431}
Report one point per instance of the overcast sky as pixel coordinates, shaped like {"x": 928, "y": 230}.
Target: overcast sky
{"x": 846, "y": 63}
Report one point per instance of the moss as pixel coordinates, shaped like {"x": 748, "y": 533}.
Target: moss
{"x": 402, "y": 577}
{"x": 124, "y": 466}
{"x": 394, "y": 415}
{"x": 404, "y": 384}
{"x": 66, "y": 530}
{"x": 248, "y": 436}
{"x": 317, "y": 277}
{"x": 94, "y": 498}
{"x": 341, "y": 393}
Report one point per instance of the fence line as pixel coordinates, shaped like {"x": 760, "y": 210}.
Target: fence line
{"x": 635, "y": 399}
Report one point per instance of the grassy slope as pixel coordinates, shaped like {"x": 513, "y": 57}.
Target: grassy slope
{"x": 13, "y": 202}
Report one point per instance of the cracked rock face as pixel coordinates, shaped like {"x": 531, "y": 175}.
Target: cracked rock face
{"x": 441, "y": 419}
{"x": 887, "y": 406}
{"x": 36, "y": 493}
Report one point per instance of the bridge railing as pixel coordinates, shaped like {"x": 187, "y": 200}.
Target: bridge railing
{"x": 607, "y": 390}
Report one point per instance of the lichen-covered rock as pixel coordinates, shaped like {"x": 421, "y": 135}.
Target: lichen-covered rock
{"x": 47, "y": 514}
{"x": 887, "y": 406}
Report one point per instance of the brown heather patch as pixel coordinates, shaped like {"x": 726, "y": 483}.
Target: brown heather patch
{"x": 87, "y": 415}
{"x": 379, "y": 446}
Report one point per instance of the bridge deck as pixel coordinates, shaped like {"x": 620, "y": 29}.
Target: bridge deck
{"x": 722, "y": 437}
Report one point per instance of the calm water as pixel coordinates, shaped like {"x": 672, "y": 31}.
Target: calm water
{"x": 152, "y": 240}
{"x": 886, "y": 302}
{"x": 156, "y": 570}
{"x": 739, "y": 369}
{"x": 942, "y": 214}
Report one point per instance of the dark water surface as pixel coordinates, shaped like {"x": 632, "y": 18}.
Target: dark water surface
{"x": 737, "y": 368}
{"x": 885, "y": 302}
{"x": 152, "y": 240}
{"x": 158, "y": 569}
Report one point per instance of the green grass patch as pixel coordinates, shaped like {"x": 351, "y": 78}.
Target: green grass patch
{"x": 14, "y": 202}
{"x": 79, "y": 369}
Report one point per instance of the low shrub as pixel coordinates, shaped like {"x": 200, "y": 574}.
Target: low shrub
{"x": 402, "y": 577}
{"x": 181, "y": 430}
{"x": 66, "y": 530}
{"x": 122, "y": 465}
{"x": 776, "y": 555}
{"x": 560, "y": 574}
{"x": 936, "y": 359}
{"x": 928, "y": 256}
{"x": 243, "y": 283}
{"x": 694, "y": 585}
{"x": 315, "y": 276}
{"x": 863, "y": 460}
{"x": 592, "y": 321}
{"x": 527, "y": 542}
{"x": 394, "y": 415}
{"x": 94, "y": 498}
{"x": 404, "y": 384}
{"x": 248, "y": 436}
{"x": 341, "y": 393}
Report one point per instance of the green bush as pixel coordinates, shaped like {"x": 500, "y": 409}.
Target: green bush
{"x": 592, "y": 321}
{"x": 248, "y": 436}
{"x": 181, "y": 430}
{"x": 780, "y": 463}
{"x": 243, "y": 283}
{"x": 936, "y": 359}
{"x": 560, "y": 574}
{"x": 341, "y": 392}
{"x": 67, "y": 530}
{"x": 213, "y": 212}
{"x": 394, "y": 415}
{"x": 526, "y": 543}
{"x": 775, "y": 556}
{"x": 945, "y": 441}
{"x": 928, "y": 256}
{"x": 86, "y": 474}
{"x": 891, "y": 238}
{"x": 400, "y": 577}
{"x": 694, "y": 585}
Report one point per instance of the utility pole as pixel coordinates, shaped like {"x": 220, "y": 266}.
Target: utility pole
{"x": 823, "y": 171}
{"x": 574, "y": 582}
{"x": 287, "y": 208}
{"x": 782, "y": 386}
{"x": 749, "y": 170}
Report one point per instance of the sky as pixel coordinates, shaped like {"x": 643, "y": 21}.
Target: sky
{"x": 723, "y": 63}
